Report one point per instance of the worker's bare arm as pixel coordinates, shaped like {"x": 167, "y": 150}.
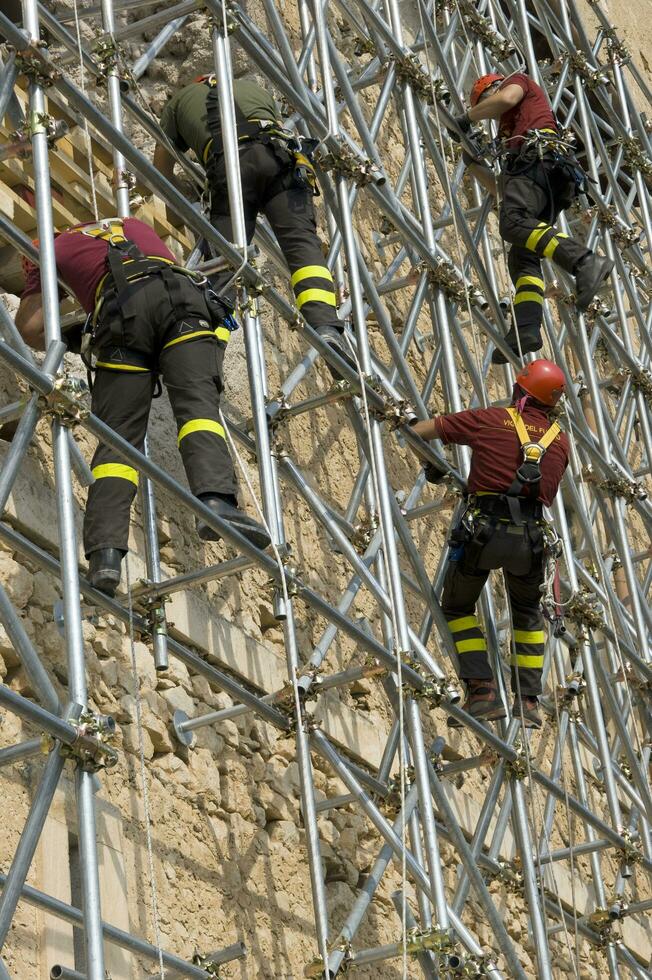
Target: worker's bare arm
{"x": 485, "y": 176}
{"x": 29, "y": 321}
{"x": 426, "y": 429}
{"x": 495, "y": 105}
{"x": 164, "y": 162}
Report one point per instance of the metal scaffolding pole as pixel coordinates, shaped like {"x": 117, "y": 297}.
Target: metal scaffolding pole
{"x": 422, "y": 277}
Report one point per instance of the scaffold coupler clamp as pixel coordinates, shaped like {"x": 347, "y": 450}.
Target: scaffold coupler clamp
{"x": 396, "y": 412}
{"x": 205, "y": 963}
{"x": 345, "y": 162}
{"x": 517, "y": 767}
{"x": 106, "y": 54}
{"x": 67, "y": 400}
{"x": 620, "y": 486}
{"x": 92, "y": 747}
{"x": 601, "y": 921}
{"x": 482, "y": 29}
{"x": 631, "y": 852}
{"x": 592, "y": 77}
{"x": 575, "y": 686}
{"x": 582, "y": 609}
{"x": 33, "y": 63}
{"x": 510, "y": 876}
{"x": 317, "y": 969}
{"x": 154, "y": 619}
{"x": 476, "y": 966}
{"x": 642, "y": 379}
{"x": 444, "y": 276}
{"x": 437, "y": 691}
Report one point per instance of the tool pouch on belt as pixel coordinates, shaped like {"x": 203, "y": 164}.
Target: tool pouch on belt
{"x": 303, "y": 171}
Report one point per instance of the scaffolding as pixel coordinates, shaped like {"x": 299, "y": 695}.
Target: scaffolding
{"x": 435, "y": 246}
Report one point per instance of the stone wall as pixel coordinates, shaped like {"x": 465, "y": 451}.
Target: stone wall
{"x": 227, "y": 842}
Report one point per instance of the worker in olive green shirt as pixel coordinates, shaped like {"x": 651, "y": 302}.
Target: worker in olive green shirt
{"x": 271, "y": 183}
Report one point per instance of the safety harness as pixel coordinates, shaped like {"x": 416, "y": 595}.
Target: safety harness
{"x": 539, "y": 145}
{"x": 115, "y": 292}
{"x": 529, "y": 472}
{"x": 298, "y": 149}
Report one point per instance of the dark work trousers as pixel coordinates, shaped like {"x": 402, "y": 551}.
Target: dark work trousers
{"x": 189, "y": 357}
{"x": 528, "y": 209}
{"x": 512, "y": 549}
{"x": 268, "y": 187}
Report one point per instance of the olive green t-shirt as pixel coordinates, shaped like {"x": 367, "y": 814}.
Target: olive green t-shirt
{"x": 183, "y": 119}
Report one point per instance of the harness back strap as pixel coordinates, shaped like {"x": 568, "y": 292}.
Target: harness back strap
{"x": 529, "y": 472}
{"x": 546, "y": 439}
{"x": 247, "y": 129}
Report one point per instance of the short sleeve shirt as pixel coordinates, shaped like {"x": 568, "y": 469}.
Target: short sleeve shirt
{"x": 532, "y": 112}
{"x": 496, "y": 448}
{"x": 82, "y": 260}
{"x": 184, "y": 121}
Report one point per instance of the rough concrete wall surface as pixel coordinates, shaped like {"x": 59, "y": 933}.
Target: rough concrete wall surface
{"x": 205, "y": 845}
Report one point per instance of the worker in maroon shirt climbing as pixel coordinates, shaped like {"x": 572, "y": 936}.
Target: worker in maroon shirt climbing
{"x": 540, "y": 178}
{"x": 518, "y": 460}
{"x": 146, "y": 316}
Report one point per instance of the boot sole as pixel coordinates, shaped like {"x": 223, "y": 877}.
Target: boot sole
{"x": 259, "y": 538}
{"x": 499, "y": 358}
{"x": 596, "y": 286}
{"x": 106, "y": 582}
{"x": 492, "y": 714}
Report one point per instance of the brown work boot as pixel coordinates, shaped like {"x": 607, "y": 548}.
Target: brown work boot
{"x": 526, "y": 710}
{"x": 482, "y": 701}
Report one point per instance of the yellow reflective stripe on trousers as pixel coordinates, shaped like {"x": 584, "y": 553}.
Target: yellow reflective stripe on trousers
{"x": 117, "y": 470}
{"x": 529, "y": 636}
{"x": 120, "y": 367}
{"x": 476, "y": 645}
{"x": 316, "y": 296}
{"x": 188, "y": 336}
{"x": 463, "y": 623}
{"x": 536, "y": 236}
{"x": 551, "y": 247}
{"x": 311, "y": 272}
{"x": 200, "y": 425}
{"x": 529, "y": 281}
{"x": 520, "y": 660}
{"x": 528, "y": 298}
{"x": 222, "y": 333}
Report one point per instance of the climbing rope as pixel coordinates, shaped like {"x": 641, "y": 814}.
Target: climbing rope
{"x": 143, "y": 776}
{"x": 87, "y": 133}
{"x": 397, "y": 653}
{"x": 458, "y": 240}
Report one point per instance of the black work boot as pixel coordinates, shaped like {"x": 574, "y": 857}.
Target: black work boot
{"x": 239, "y": 521}
{"x": 590, "y": 273}
{"x": 335, "y": 339}
{"x": 482, "y": 702}
{"x": 530, "y": 341}
{"x": 104, "y": 569}
{"x": 526, "y": 710}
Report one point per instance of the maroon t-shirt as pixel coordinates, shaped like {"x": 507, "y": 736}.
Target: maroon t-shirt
{"x": 532, "y": 112}
{"x": 496, "y": 447}
{"x": 82, "y": 260}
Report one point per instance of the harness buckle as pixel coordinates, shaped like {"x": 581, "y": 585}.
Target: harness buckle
{"x": 533, "y": 452}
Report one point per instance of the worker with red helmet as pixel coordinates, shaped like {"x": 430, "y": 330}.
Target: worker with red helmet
{"x": 540, "y": 178}
{"x": 518, "y": 460}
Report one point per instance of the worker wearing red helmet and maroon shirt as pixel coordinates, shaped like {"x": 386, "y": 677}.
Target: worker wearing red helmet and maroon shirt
{"x": 535, "y": 188}
{"x": 149, "y": 316}
{"x": 499, "y": 532}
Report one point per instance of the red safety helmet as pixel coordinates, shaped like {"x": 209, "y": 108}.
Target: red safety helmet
{"x": 482, "y": 84}
{"x": 543, "y": 380}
